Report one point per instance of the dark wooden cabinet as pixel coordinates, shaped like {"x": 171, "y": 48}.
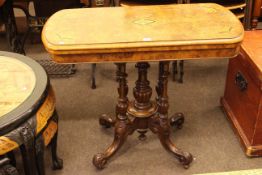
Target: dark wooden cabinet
{"x": 242, "y": 100}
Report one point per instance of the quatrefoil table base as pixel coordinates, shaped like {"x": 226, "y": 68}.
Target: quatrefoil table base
{"x": 142, "y": 114}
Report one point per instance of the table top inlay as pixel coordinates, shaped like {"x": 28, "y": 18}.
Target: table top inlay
{"x": 142, "y": 33}
{"x": 17, "y": 81}
{"x": 142, "y": 24}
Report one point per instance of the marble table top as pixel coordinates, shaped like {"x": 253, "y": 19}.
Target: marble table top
{"x": 17, "y": 82}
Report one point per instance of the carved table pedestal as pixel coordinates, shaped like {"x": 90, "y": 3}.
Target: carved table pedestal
{"x": 142, "y": 114}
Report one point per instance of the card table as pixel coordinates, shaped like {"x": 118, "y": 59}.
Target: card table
{"x": 142, "y": 34}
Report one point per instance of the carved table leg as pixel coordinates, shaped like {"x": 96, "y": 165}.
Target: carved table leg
{"x": 159, "y": 124}
{"x": 122, "y": 125}
{"x": 106, "y": 120}
{"x": 28, "y": 149}
{"x": 40, "y": 148}
{"x": 57, "y": 162}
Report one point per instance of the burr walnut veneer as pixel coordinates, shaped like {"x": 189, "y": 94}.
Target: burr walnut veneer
{"x": 142, "y": 34}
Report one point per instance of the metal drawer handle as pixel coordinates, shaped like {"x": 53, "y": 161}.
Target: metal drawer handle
{"x": 241, "y": 82}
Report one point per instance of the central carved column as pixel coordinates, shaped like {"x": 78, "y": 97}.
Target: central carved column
{"x": 142, "y": 107}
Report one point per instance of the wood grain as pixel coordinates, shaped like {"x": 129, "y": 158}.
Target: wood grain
{"x": 143, "y": 30}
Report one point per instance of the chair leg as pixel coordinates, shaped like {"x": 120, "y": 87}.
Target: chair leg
{"x": 93, "y": 81}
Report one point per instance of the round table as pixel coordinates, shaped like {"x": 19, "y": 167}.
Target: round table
{"x": 28, "y": 119}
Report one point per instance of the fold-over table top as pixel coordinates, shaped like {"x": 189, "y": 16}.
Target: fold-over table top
{"x": 141, "y": 29}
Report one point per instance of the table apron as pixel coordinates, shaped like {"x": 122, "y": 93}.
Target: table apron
{"x": 144, "y": 56}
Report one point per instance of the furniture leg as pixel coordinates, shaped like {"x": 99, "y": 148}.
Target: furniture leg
{"x": 93, "y": 81}
{"x": 40, "y": 148}
{"x": 177, "y": 120}
{"x": 181, "y": 71}
{"x": 174, "y": 70}
{"x": 248, "y": 15}
{"x": 25, "y": 37}
{"x": 254, "y": 22}
{"x": 122, "y": 125}
{"x": 256, "y": 13}
{"x": 57, "y": 162}
{"x": 159, "y": 124}
{"x": 117, "y": 72}
{"x": 107, "y": 121}
{"x": 28, "y": 150}
{"x": 13, "y": 39}
{"x": 12, "y": 158}
{"x": 6, "y": 168}
{"x": 175, "y": 65}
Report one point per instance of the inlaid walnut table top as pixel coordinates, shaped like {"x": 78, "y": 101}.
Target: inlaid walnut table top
{"x": 184, "y": 31}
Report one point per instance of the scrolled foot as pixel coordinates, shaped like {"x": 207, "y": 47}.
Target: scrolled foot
{"x": 99, "y": 160}
{"x": 177, "y": 120}
{"x": 186, "y": 159}
{"x": 57, "y": 164}
{"x": 106, "y": 121}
